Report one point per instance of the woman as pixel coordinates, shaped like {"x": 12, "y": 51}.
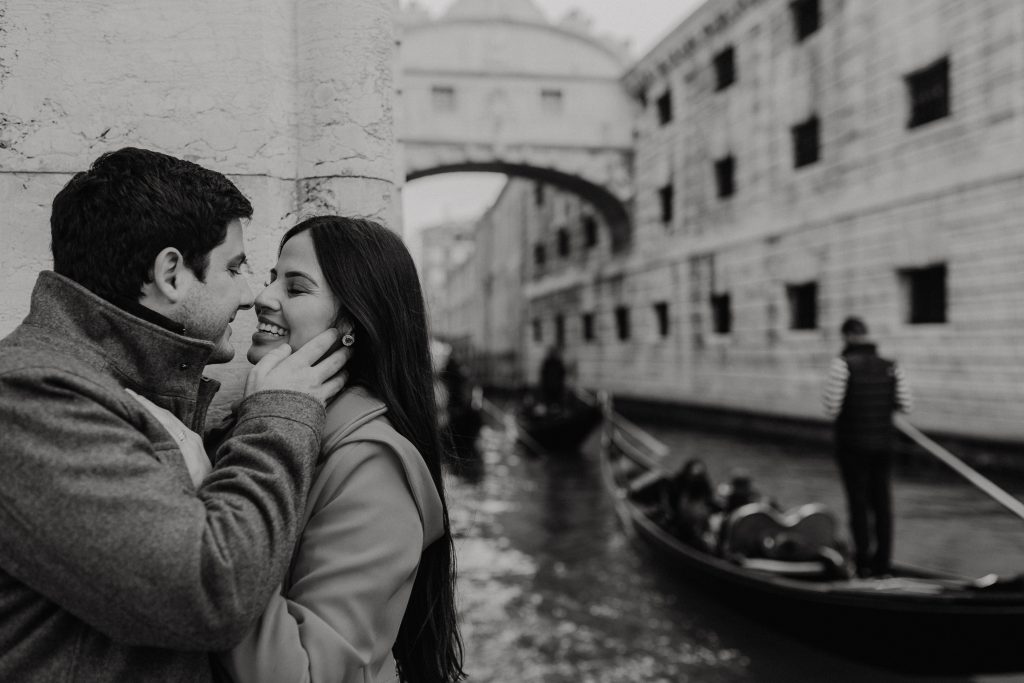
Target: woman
{"x": 373, "y": 573}
{"x": 369, "y": 595}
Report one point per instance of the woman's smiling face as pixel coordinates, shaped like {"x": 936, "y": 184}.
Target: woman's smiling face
{"x": 296, "y": 304}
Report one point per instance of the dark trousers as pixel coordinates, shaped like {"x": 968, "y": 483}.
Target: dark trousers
{"x": 865, "y": 476}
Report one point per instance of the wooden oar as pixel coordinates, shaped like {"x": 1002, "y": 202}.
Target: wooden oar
{"x": 633, "y": 442}
{"x": 529, "y": 441}
{"x": 960, "y": 467}
{"x": 495, "y": 413}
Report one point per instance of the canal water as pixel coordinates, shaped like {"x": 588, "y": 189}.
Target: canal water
{"x": 550, "y": 589}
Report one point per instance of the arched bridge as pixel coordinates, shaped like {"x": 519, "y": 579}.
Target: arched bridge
{"x": 495, "y": 87}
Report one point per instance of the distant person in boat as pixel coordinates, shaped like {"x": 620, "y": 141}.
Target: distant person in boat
{"x": 456, "y": 382}
{"x": 552, "y": 378}
{"x": 739, "y": 491}
{"x": 689, "y": 504}
{"x": 862, "y": 392}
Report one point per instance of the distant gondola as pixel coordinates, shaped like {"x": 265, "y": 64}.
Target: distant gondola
{"x": 559, "y": 429}
{"x": 914, "y": 621}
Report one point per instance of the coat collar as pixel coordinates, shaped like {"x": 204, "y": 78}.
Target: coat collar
{"x": 352, "y": 409}
{"x": 145, "y": 355}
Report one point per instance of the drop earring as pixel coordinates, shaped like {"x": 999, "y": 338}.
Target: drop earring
{"x": 348, "y": 339}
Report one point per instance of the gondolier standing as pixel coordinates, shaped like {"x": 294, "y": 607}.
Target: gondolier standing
{"x": 862, "y": 392}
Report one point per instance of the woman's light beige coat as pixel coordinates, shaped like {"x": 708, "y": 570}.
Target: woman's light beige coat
{"x": 372, "y": 510}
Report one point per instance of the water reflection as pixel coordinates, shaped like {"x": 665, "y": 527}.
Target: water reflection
{"x": 551, "y": 590}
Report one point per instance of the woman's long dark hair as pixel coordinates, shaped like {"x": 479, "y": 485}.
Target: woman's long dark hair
{"x": 371, "y": 272}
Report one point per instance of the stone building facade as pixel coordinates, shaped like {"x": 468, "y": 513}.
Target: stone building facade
{"x": 801, "y": 162}
{"x": 534, "y": 235}
{"x": 796, "y": 163}
{"x": 444, "y": 248}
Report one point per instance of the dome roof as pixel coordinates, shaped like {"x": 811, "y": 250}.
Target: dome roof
{"x": 516, "y": 10}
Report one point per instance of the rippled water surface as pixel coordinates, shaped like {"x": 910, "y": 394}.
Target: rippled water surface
{"x": 551, "y": 590}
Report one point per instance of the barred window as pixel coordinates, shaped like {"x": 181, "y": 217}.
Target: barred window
{"x": 806, "y": 146}
{"x": 721, "y": 313}
{"x": 725, "y": 176}
{"x": 666, "y": 198}
{"x": 803, "y": 305}
{"x": 928, "y": 90}
{"x": 661, "y": 317}
{"x": 622, "y": 322}
{"x": 924, "y": 294}
{"x": 725, "y": 68}
{"x": 590, "y": 231}
{"x": 665, "y": 108}
{"x": 588, "y": 326}
{"x": 563, "y": 242}
{"x": 806, "y": 17}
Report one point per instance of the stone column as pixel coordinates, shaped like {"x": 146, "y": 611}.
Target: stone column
{"x": 346, "y": 138}
{"x": 292, "y": 99}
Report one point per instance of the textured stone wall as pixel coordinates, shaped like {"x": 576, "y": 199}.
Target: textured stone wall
{"x": 292, "y": 99}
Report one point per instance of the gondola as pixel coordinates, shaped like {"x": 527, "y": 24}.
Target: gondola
{"x": 915, "y": 621}
{"x": 557, "y": 429}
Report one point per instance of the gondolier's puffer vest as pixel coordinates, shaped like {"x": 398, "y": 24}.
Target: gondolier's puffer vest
{"x": 865, "y": 421}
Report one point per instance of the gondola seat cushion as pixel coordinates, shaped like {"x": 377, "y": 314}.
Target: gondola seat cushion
{"x": 758, "y": 531}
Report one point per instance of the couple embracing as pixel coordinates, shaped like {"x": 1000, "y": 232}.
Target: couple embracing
{"x": 307, "y": 538}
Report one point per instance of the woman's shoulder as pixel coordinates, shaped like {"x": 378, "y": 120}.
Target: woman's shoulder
{"x": 363, "y": 440}
{"x": 359, "y": 437}
{"x": 352, "y": 409}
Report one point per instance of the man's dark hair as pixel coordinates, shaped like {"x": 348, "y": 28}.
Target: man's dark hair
{"x": 854, "y": 326}
{"x": 109, "y": 223}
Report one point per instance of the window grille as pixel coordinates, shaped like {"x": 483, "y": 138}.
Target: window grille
{"x": 661, "y": 316}
{"x": 928, "y": 90}
{"x": 806, "y": 145}
{"x": 665, "y": 108}
{"x": 725, "y": 68}
{"x": 803, "y": 306}
{"x": 666, "y": 196}
{"x": 925, "y": 294}
{"x": 622, "y": 322}
{"x": 806, "y": 17}
{"x": 725, "y": 176}
{"x": 588, "y": 326}
{"x": 721, "y": 313}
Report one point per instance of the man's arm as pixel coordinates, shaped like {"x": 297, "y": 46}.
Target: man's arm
{"x": 97, "y": 518}
{"x": 835, "y": 387}
{"x": 904, "y": 399}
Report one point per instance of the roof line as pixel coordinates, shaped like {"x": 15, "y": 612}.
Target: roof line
{"x": 623, "y": 60}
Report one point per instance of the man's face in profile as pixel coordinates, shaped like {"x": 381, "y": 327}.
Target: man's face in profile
{"x": 210, "y": 306}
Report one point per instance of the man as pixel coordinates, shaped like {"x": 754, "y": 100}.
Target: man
{"x": 861, "y": 393}
{"x": 552, "y": 378}
{"x": 113, "y": 565}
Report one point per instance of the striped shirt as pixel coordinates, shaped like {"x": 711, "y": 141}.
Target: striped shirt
{"x": 835, "y": 388}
